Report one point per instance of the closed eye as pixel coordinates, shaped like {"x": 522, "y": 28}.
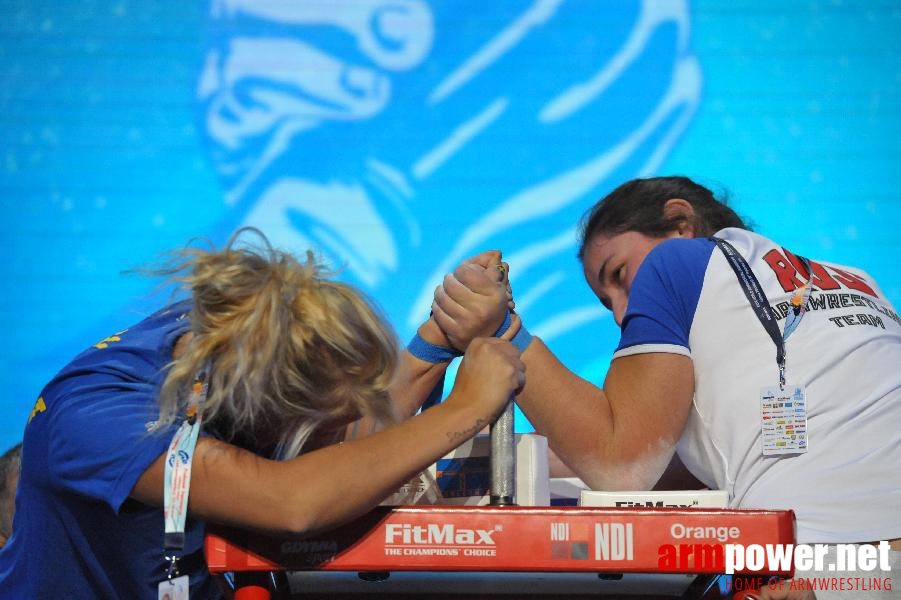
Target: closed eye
{"x": 619, "y": 274}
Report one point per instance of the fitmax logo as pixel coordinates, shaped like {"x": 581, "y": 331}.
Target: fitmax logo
{"x": 434, "y": 534}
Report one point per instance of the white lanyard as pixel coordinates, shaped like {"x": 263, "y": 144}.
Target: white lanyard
{"x": 178, "y": 473}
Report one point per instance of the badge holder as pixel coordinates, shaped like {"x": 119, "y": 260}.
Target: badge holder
{"x": 783, "y": 408}
{"x": 177, "y": 484}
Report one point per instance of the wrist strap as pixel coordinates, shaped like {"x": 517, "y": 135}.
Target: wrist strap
{"x": 522, "y": 339}
{"x": 428, "y": 352}
{"x": 431, "y": 353}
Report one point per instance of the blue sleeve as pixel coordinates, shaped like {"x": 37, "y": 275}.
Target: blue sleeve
{"x": 664, "y": 297}
{"x": 101, "y": 407}
{"x": 99, "y": 444}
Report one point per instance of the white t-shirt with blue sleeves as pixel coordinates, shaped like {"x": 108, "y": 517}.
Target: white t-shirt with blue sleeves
{"x": 686, "y": 299}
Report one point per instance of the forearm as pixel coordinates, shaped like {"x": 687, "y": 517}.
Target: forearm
{"x": 571, "y": 412}
{"x": 416, "y": 378}
{"x": 359, "y": 475}
{"x": 318, "y": 490}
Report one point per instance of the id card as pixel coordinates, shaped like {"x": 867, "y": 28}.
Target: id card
{"x": 173, "y": 589}
{"x": 783, "y": 415}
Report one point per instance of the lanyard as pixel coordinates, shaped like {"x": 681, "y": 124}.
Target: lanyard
{"x": 178, "y": 473}
{"x": 754, "y": 293}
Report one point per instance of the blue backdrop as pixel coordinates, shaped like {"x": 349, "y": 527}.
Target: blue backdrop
{"x": 398, "y": 137}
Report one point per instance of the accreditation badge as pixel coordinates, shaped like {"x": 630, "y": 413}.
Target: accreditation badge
{"x": 783, "y": 415}
{"x": 173, "y": 589}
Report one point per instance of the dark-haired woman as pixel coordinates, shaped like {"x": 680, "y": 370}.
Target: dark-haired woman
{"x": 771, "y": 376}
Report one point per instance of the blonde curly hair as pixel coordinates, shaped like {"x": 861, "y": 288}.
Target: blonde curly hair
{"x": 289, "y": 349}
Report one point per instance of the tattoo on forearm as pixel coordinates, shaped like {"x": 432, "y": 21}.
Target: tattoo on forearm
{"x": 455, "y": 436}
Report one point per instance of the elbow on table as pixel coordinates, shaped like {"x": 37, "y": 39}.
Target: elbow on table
{"x": 615, "y": 478}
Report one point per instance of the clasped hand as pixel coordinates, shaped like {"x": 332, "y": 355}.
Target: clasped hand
{"x": 474, "y": 300}
{"x": 470, "y": 306}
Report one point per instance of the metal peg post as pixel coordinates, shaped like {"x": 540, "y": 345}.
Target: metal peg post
{"x": 503, "y": 459}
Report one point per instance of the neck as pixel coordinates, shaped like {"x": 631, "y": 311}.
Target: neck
{"x": 181, "y": 344}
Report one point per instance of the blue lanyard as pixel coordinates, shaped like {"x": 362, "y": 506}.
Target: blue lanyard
{"x": 758, "y": 300}
{"x": 178, "y": 473}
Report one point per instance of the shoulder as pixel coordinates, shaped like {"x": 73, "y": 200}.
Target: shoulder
{"x": 664, "y": 297}
{"x": 679, "y": 265}
{"x": 136, "y": 352}
{"x": 682, "y": 253}
{"x": 95, "y": 416}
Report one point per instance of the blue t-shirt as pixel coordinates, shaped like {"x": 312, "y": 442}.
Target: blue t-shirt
{"x": 77, "y": 534}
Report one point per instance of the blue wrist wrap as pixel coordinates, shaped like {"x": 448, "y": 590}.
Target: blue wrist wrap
{"x": 423, "y": 350}
{"x": 429, "y": 352}
{"x": 522, "y": 339}
{"x": 504, "y": 326}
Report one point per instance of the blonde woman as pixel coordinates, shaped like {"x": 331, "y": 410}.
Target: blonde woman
{"x": 9, "y": 480}
{"x": 267, "y": 362}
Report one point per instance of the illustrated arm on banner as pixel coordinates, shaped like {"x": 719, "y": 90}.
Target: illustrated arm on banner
{"x": 261, "y": 89}
{"x": 390, "y": 108}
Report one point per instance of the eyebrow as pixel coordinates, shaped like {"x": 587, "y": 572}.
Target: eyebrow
{"x": 604, "y": 300}
{"x": 601, "y": 269}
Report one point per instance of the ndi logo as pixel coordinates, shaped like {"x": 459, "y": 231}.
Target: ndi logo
{"x": 613, "y": 541}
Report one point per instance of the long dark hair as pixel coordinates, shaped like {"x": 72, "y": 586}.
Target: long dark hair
{"x": 637, "y": 205}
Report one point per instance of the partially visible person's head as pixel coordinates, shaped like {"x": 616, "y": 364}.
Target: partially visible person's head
{"x": 622, "y": 228}
{"x": 641, "y": 205}
{"x": 10, "y": 464}
{"x": 291, "y": 350}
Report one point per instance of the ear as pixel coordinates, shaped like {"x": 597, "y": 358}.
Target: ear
{"x": 682, "y": 211}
